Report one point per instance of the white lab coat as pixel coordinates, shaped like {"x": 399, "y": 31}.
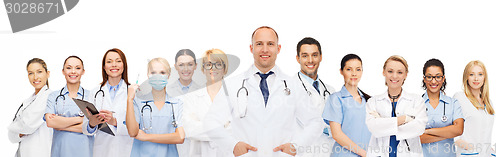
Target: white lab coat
{"x": 264, "y": 127}
{"x": 196, "y": 106}
{"x": 29, "y": 121}
{"x": 384, "y": 126}
{"x": 175, "y": 90}
{"x": 478, "y": 127}
{"x": 106, "y": 145}
{"x": 323, "y": 146}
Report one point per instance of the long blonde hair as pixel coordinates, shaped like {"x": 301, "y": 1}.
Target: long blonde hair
{"x": 485, "y": 92}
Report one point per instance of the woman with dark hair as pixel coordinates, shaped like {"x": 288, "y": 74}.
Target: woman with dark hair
{"x": 65, "y": 117}
{"x": 110, "y": 97}
{"x": 345, "y": 111}
{"x": 444, "y": 113}
{"x": 185, "y": 64}
{"x": 28, "y": 128}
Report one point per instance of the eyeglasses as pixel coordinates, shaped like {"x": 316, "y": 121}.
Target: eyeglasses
{"x": 438, "y": 78}
{"x": 210, "y": 65}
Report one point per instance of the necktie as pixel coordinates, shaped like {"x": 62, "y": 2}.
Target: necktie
{"x": 316, "y": 86}
{"x": 263, "y": 85}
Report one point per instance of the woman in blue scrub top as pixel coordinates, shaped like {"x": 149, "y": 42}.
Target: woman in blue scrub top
{"x": 346, "y": 112}
{"x": 154, "y": 120}
{"x": 445, "y": 114}
{"x": 65, "y": 117}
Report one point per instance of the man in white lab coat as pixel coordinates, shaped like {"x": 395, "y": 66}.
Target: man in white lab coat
{"x": 257, "y": 112}
{"x": 309, "y": 56}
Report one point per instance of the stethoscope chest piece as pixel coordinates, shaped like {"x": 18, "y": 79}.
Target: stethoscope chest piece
{"x": 287, "y": 91}
{"x": 444, "y": 118}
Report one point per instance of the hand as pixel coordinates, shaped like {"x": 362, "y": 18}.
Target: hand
{"x": 131, "y": 91}
{"x": 286, "y": 148}
{"x": 51, "y": 116}
{"x": 21, "y": 135}
{"x": 141, "y": 135}
{"x": 242, "y": 148}
{"x": 374, "y": 114}
{"x": 108, "y": 117}
{"x": 95, "y": 120}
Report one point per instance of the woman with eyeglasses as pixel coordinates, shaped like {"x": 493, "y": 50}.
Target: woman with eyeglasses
{"x": 28, "y": 128}
{"x": 65, "y": 117}
{"x": 477, "y": 111}
{"x": 153, "y": 116}
{"x": 445, "y": 120}
{"x": 197, "y": 104}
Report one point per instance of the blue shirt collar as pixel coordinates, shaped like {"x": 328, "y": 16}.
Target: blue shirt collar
{"x": 307, "y": 78}
{"x": 442, "y": 98}
{"x": 116, "y": 87}
{"x": 344, "y": 93}
{"x": 80, "y": 90}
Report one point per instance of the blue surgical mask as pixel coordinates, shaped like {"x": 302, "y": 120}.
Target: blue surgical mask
{"x": 158, "y": 81}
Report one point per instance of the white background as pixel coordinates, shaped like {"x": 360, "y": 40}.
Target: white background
{"x": 455, "y": 32}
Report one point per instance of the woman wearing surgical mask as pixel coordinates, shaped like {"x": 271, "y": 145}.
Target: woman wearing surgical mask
{"x": 185, "y": 64}
{"x": 445, "y": 114}
{"x": 396, "y": 118}
{"x": 28, "y": 128}
{"x": 154, "y": 119}
{"x": 65, "y": 117}
{"x": 477, "y": 111}
{"x": 110, "y": 97}
{"x": 345, "y": 110}
{"x": 197, "y": 104}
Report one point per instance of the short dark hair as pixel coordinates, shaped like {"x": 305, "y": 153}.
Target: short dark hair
{"x": 261, "y": 27}
{"x": 434, "y": 62}
{"x": 185, "y": 52}
{"x": 308, "y": 41}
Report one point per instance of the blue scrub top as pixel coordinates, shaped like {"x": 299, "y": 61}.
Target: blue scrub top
{"x": 453, "y": 112}
{"x": 65, "y": 143}
{"x": 343, "y": 109}
{"x": 161, "y": 124}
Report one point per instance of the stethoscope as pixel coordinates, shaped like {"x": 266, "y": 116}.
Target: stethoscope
{"x": 444, "y": 118}
{"x": 393, "y": 100}
{"x": 15, "y": 116}
{"x": 243, "y": 89}
{"x": 146, "y": 106}
{"x": 64, "y": 98}
{"x": 309, "y": 92}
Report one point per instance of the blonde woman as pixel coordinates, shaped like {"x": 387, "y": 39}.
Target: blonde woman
{"x": 197, "y": 104}
{"x": 396, "y": 118}
{"x": 154, "y": 120}
{"x": 28, "y": 128}
{"x": 477, "y": 111}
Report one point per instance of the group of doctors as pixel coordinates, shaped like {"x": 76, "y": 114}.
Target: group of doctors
{"x": 261, "y": 112}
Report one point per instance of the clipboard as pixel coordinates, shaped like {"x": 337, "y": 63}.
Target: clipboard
{"x": 82, "y": 104}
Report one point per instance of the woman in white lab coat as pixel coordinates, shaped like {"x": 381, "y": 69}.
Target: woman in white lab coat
{"x": 28, "y": 128}
{"x": 477, "y": 111}
{"x": 396, "y": 118}
{"x": 110, "y": 97}
{"x": 197, "y": 104}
